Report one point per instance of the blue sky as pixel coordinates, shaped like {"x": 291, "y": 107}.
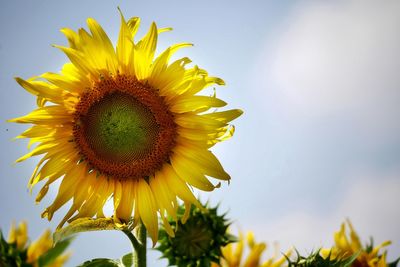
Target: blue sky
{"x": 319, "y": 84}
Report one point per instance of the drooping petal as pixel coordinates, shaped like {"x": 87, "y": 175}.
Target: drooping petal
{"x": 165, "y": 199}
{"x": 190, "y": 175}
{"x": 148, "y": 209}
{"x": 178, "y": 186}
{"x": 67, "y": 188}
{"x": 204, "y": 160}
{"x": 125, "y": 191}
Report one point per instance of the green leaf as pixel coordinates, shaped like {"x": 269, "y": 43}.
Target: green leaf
{"x": 316, "y": 260}
{"x": 51, "y": 255}
{"x": 349, "y": 261}
{"x": 3, "y": 244}
{"x": 394, "y": 264}
{"x": 231, "y": 238}
{"x": 101, "y": 263}
{"x": 86, "y": 225}
{"x": 127, "y": 260}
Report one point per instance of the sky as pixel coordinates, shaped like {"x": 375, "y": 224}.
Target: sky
{"x": 318, "y": 81}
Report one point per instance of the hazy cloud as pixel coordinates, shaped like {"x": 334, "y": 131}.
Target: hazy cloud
{"x": 341, "y": 58}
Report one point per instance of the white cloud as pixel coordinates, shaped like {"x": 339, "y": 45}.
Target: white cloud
{"x": 370, "y": 201}
{"x": 340, "y": 57}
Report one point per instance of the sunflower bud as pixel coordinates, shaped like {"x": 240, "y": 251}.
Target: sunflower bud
{"x": 198, "y": 241}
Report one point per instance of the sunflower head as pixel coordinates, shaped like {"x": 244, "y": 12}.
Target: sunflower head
{"x": 348, "y": 244}
{"x": 124, "y": 124}
{"x": 18, "y": 251}
{"x": 198, "y": 240}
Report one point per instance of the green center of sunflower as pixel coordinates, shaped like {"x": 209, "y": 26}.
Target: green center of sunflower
{"x": 123, "y": 128}
{"x": 120, "y": 128}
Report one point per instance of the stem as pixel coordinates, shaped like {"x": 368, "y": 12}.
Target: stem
{"x": 138, "y": 240}
{"x": 140, "y": 254}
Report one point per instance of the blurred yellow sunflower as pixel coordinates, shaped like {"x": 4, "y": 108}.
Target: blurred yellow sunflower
{"x": 233, "y": 254}
{"x": 121, "y": 123}
{"x": 348, "y": 244}
{"x": 19, "y": 249}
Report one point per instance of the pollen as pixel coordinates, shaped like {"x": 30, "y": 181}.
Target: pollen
{"x": 123, "y": 128}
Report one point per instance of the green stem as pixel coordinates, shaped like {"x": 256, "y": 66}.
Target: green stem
{"x": 138, "y": 240}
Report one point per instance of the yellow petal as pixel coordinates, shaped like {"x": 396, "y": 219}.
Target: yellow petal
{"x": 202, "y": 84}
{"x": 39, "y": 247}
{"x": 167, "y": 29}
{"x": 59, "y": 164}
{"x": 68, "y": 83}
{"x": 193, "y": 121}
{"x": 53, "y": 155}
{"x": 117, "y": 195}
{"x": 101, "y": 40}
{"x": 178, "y": 186}
{"x": 165, "y": 199}
{"x": 186, "y": 215}
{"x": 73, "y": 73}
{"x": 41, "y": 89}
{"x": 148, "y": 209}
{"x": 79, "y": 60}
{"x": 190, "y": 175}
{"x": 204, "y": 160}
{"x": 161, "y": 62}
{"x": 124, "y": 45}
{"x": 195, "y": 104}
{"x": 95, "y": 201}
{"x": 171, "y": 78}
{"x": 67, "y": 188}
{"x": 72, "y": 37}
{"x": 36, "y": 131}
{"x": 238, "y": 251}
{"x": 50, "y": 115}
{"x": 355, "y": 240}
{"x": 84, "y": 189}
{"x": 224, "y": 116}
{"x": 167, "y": 226}
{"x": 124, "y": 210}
{"x": 133, "y": 24}
{"x": 18, "y": 235}
{"x": 144, "y": 53}
{"x": 40, "y": 149}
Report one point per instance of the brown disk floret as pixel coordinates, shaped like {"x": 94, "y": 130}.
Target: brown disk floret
{"x": 157, "y": 116}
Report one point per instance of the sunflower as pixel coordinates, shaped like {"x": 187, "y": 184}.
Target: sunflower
{"x": 199, "y": 240}
{"x": 123, "y": 124}
{"x": 348, "y": 244}
{"x": 233, "y": 255}
{"x": 19, "y": 252}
